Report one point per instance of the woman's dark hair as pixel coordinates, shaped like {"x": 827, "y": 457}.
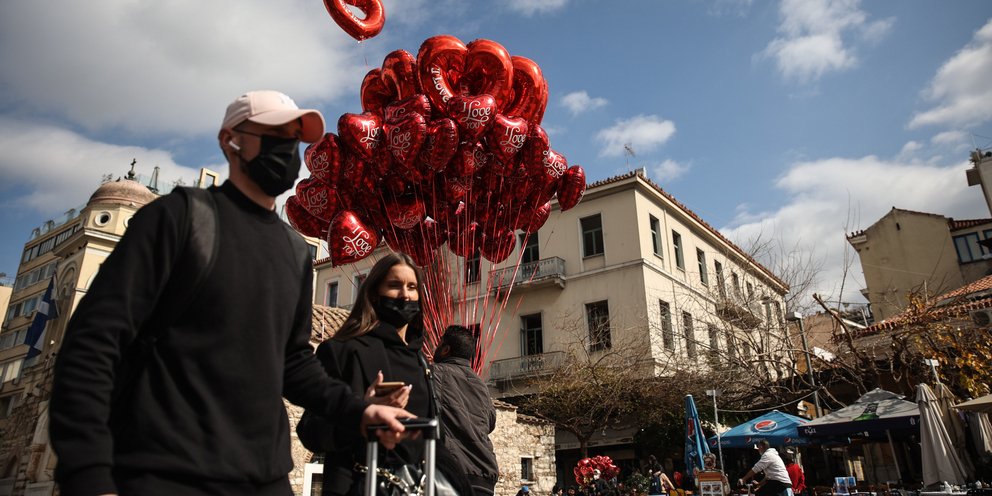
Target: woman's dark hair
{"x": 788, "y": 459}
{"x": 362, "y": 318}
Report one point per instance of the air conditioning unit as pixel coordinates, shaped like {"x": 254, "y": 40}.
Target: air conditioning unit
{"x": 982, "y": 317}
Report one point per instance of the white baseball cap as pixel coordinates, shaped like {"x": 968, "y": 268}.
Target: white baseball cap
{"x": 272, "y": 108}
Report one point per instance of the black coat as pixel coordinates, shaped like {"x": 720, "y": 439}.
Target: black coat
{"x": 357, "y": 361}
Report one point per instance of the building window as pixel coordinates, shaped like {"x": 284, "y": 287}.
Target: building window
{"x": 331, "y": 295}
{"x": 677, "y": 245}
{"x": 359, "y": 279}
{"x": 531, "y": 335}
{"x": 313, "y": 251}
{"x": 737, "y": 283}
{"x": 598, "y": 318}
{"x": 701, "y": 261}
{"x": 750, "y": 291}
{"x": 530, "y": 252}
{"x": 527, "y": 469}
{"x": 718, "y": 268}
{"x": 655, "y": 226}
{"x": 472, "y": 267}
{"x": 987, "y": 234}
{"x": 667, "y": 334}
{"x": 690, "y": 337}
{"x": 731, "y": 345}
{"x": 592, "y": 235}
{"x": 714, "y": 341}
{"x": 7, "y": 404}
{"x": 967, "y": 247}
{"x": 777, "y": 310}
{"x": 768, "y": 313}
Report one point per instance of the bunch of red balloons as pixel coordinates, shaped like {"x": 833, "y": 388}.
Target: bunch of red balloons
{"x": 448, "y": 149}
{"x": 583, "y": 471}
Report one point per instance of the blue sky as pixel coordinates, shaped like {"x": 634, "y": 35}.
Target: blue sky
{"x": 791, "y": 120}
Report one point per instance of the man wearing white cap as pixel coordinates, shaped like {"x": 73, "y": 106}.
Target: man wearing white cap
{"x": 172, "y": 372}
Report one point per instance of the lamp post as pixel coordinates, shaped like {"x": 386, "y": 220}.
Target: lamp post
{"x": 716, "y": 425}
{"x": 798, "y": 317}
{"x": 933, "y": 363}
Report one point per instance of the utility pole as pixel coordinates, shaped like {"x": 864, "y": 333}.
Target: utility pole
{"x": 798, "y": 317}
{"x": 716, "y": 425}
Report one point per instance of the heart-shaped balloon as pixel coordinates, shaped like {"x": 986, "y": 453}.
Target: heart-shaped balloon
{"x": 399, "y": 73}
{"x": 474, "y": 114}
{"x": 506, "y": 137}
{"x": 499, "y": 246}
{"x": 374, "y": 94}
{"x": 538, "y": 217}
{"x": 405, "y": 137}
{"x": 361, "y": 133}
{"x": 323, "y": 159}
{"x": 554, "y": 164}
{"x": 316, "y": 198}
{"x": 530, "y": 91}
{"x": 440, "y": 144}
{"x": 302, "y": 221}
{"x": 571, "y": 187}
{"x": 405, "y": 211}
{"x": 416, "y": 104}
{"x": 353, "y": 168}
{"x": 359, "y": 28}
{"x": 535, "y": 149}
{"x": 470, "y": 158}
{"x": 349, "y": 239}
{"x": 488, "y": 70}
{"x": 440, "y": 62}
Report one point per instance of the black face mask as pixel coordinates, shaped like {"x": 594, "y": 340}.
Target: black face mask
{"x": 277, "y": 165}
{"x": 396, "y": 312}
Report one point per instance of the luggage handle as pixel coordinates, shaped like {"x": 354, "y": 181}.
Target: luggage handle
{"x": 431, "y": 431}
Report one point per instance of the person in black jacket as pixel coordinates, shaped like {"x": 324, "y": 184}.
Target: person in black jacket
{"x": 203, "y": 411}
{"x": 380, "y": 341}
{"x": 467, "y": 411}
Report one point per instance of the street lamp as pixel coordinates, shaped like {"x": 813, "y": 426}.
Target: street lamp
{"x": 798, "y": 317}
{"x": 716, "y": 425}
{"x": 933, "y": 363}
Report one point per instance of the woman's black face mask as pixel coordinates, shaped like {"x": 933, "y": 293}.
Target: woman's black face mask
{"x": 396, "y": 312}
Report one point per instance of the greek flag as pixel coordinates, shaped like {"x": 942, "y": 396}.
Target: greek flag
{"x": 46, "y": 310}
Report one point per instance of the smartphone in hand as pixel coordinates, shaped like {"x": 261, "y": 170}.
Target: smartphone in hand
{"x": 387, "y": 388}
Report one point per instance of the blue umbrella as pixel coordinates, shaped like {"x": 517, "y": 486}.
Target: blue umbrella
{"x": 695, "y": 441}
{"x": 779, "y": 429}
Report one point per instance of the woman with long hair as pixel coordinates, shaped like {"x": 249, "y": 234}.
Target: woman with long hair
{"x": 380, "y": 342}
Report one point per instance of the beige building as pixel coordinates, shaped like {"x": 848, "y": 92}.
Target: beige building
{"x": 629, "y": 266}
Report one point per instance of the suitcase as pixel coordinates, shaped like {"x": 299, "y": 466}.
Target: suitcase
{"x": 430, "y": 431}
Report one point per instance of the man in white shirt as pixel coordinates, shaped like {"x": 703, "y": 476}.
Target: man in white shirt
{"x": 776, "y": 481}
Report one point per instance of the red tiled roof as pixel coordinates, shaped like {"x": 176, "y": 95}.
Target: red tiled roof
{"x": 691, "y": 214}
{"x": 955, "y": 225}
{"x": 325, "y": 322}
{"x": 954, "y": 303}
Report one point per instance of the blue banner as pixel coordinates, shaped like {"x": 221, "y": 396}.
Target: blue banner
{"x": 46, "y": 311}
{"x": 695, "y": 441}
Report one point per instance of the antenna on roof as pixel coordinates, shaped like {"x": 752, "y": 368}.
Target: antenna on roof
{"x": 628, "y": 151}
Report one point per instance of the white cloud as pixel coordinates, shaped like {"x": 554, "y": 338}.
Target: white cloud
{"x": 578, "y": 102}
{"x": 962, "y": 88}
{"x": 669, "y": 170}
{"x": 531, "y": 7}
{"x": 909, "y": 149}
{"x": 148, "y": 67}
{"x": 47, "y": 170}
{"x": 956, "y": 141}
{"x": 812, "y": 41}
{"x": 822, "y": 194}
{"x": 643, "y": 133}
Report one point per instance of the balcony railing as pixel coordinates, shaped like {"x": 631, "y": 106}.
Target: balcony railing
{"x": 738, "y": 313}
{"x": 525, "y": 366}
{"x": 546, "y": 271}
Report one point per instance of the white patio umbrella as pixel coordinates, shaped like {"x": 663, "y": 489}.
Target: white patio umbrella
{"x": 940, "y": 460}
{"x": 983, "y": 404}
{"x": 954, "y": 426}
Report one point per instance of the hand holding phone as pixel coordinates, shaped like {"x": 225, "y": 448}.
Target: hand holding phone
{"x": 387, "y": 388}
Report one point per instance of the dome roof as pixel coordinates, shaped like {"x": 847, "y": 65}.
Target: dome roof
{"x": 122, "y": 192}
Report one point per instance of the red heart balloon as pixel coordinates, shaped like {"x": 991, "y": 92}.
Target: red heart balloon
{"x": 316, "y": 198}
{"x": 416, "y": 104}
{"x": 440, "y": 62}
{"x": 440, "y": 145}
{"x": 470, "y": 158}
{"x": 535, "y": 149}
{"x": 554, "y": 164}
{"x": 302, "y": 221}
{"x": 530, "y": 91}
{"x": 353, "y": 168}
{"x": 489, "y": 70}
{"x": 538, "y": 217}
{"x": 405, "y": 137}
{"x": 374, "y": 94}
{"x": 571, "y": 187}
{"x": 405, "y": 211}
{"x": 399, "y": 73}
{"x": 359, "y": 28}
{"x": 361, "y": 133}
{"x": 457, "y": 187}
{"x": 497, "y": 248}
{"x": 474, "y": 114}
{"x": 349, "y": 239}
{"x": 506, "y": 137}
{"x": 323, "y": 159}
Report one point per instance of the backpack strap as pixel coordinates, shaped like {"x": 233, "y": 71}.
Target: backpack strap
{"x": 200, "y": 239}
